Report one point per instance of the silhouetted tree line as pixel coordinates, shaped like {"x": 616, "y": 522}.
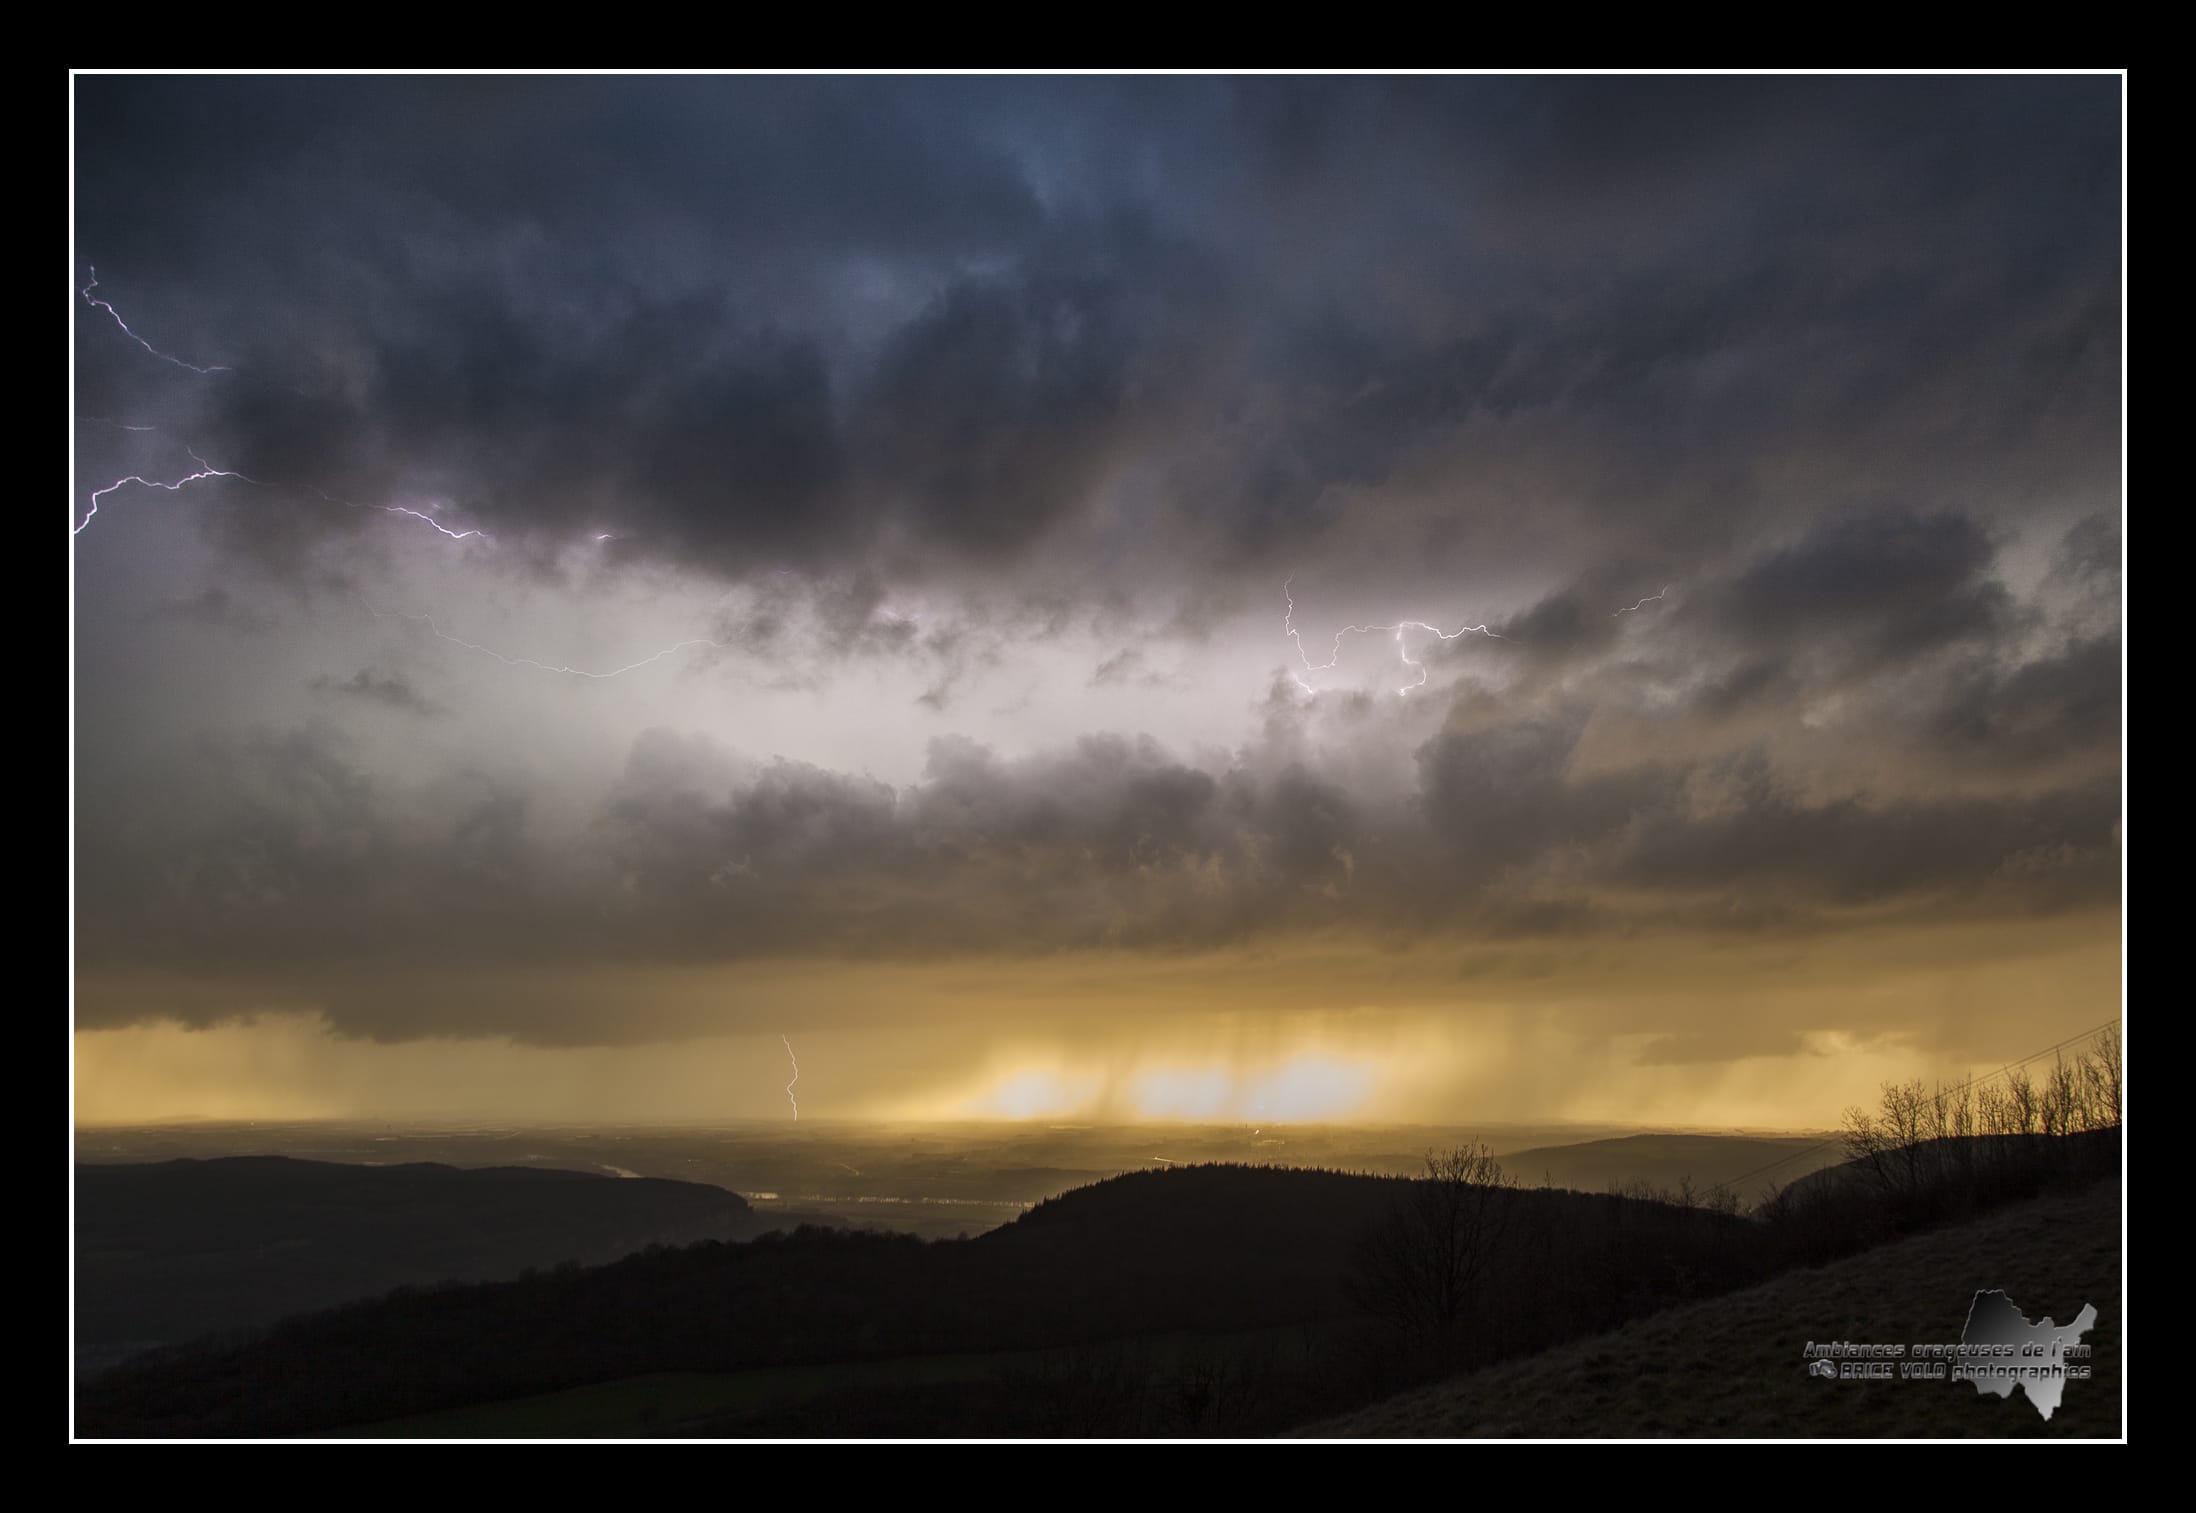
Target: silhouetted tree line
{"x": 1927, "y": 1154}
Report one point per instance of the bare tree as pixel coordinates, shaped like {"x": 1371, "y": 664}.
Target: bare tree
{"x": 2022, "y": 1101}
{"x": 2103, "y": 1066}
{"x": 1868, "y": 1146}
{"x": 2062, "y": 1098}
{"x": 1425, "y": 1267}
{"x": 1891, "y": 1145}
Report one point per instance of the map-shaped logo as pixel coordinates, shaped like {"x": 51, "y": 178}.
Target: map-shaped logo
{"x": 2040, "y": 1357}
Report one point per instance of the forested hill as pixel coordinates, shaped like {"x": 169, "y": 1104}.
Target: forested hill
{"x": 1205, "y": 1249}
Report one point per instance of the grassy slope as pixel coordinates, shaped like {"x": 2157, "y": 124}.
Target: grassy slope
{"x": 646, "y": 1406}
{"x": 678, "y": 1403}
{"x": 1732, "y": 1366}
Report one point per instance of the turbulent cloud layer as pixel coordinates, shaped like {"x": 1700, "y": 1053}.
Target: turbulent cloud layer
{"x": 763, "y": 324}
{"x": 927, "y": 457}
{"x": 1602, "y": 782}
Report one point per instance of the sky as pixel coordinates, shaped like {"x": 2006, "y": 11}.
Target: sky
{"x": 1393, "y": 599}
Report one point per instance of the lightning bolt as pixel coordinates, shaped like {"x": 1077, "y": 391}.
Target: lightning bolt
{"x": 388, "y": 509}
{"x": 1651, "y": 598}
{"x": 208, "y": 470}
{"x": 205, "y": 470}
{"x": 796, "y": 1077}
{"x": 393, "y": 509}
{"x": 557, "y": 667}
{"x": 116, "y": 315}
{"x": 93, "y": 300}
{"x": 1334, "y": 655}
{"x": 398, "y": 509}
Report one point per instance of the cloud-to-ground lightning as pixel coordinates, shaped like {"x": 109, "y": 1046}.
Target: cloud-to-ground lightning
{"x": 796, "y": 1077}
{"x": 1651, "y": 598}
{"x": 98, "y": 303}
{"x": 205, "y": 470}
{"x": 1288, "y": 628}
{"x": 556, "y": 667}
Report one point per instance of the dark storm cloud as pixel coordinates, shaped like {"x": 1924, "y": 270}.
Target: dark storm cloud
{"x": 1752, "y": 685}
{"x": 1191, "y": 323}
{"x": 928, "y": 375}
{"x": 390, "y": 690}
{"x": 1852, "y": 601}
{"x": 214, "y": 607}
{"x": 2063, "y": 705}
{"x": 1131, "y": 668}
{"x": 1764, "y": 838}
{"x": 1001, "y": 406}
{"x": 2088, "y": 563}
{"x": 1505, "y": 796}
{"x": 303, "y": 855}
{"x": 1571, "y": 625}
{"x": 289, "y": 859}
{"x": 1908, "y": 583}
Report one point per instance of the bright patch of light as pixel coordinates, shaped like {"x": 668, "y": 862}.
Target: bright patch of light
{"x": 1306, "y": 1087}
{"x": 1184, "y": 1094}
{"x": 1310, "y": 1087}
{"x": 1029, "y": 1095}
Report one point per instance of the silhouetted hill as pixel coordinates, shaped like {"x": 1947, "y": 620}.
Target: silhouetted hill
{"x": 1665, "y": 1161}
{"x": 171, "y": 1251}
{"x": 1191, "y": 1238}
{"x": 1191, "y": 1249}
{"x": 1732, "y": 1367}
{"x": 1963, "y": 1162}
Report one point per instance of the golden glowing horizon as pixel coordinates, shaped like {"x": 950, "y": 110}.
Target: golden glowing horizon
{"x": 1776, "y": 1036}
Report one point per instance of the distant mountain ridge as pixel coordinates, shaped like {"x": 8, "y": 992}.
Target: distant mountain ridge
{"x": 1664, "y": 1161}
{"x": 177, "y": 1249}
